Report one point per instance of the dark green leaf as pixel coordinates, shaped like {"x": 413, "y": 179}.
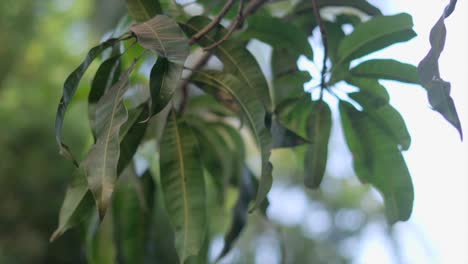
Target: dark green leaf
{"x": 387, "y": 69}
{"x": 101, "y": 162}
{"x": 378, "y": 161}
{"x": 375, "y": 34}
{"x": 162, "y": 35}
{"x": 164, "y": 79}
{"x": 372, "y": 88}
{"x": 319, "y": 128}
{"x": 279, "y": 34}
{"x": 438, "y": 90}
{"x": 142, "y": 10}
{"x": 69, "y": 90}
{"x": 236, "y": 58}
{"x": 282, "y": 137}
{"x": 254, "y": 114}
{"x": 293, "y": 114}
{"x": 183, "y": 186}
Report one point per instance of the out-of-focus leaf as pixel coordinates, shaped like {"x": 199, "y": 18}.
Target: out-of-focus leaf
{"x": 279, "y": 34}
{"x": 236, "y": 59}
{"x": 69, "y": 90}
{"x": 372, "y": 88}
{"x": 240, "y": 211}
{"x": 387, "y": 69}
{"x": 142, "y": 10}
{"x": 319, "y": 127}
{"x": 438, "y": 90}
{"x": 378, "y": 161}
{"x": 204, "y": 102}
{"x": 100, "y": 243}
{"x": 282, "y": 137}
{"x": 335, "y": 35}
{"x": 375, "y": 34}
{"x": 163, "y": 35}
{"x": 106, "y": 75}
{"x": 387, "y": 118}
{"x": 254, "y": 114}
{"x": 78, "y": 204}
{"x": 101, "y": 162}
{"x": 361, "y": 5}
{"x": 164, "y": 79}
{"x": 183, "y": 186}
{"x": 131, "y": 135}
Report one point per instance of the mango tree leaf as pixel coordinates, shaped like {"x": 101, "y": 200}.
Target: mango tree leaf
{"x": 293, "y": 114}
{"x": 387, "y": 118}
{"x": 319, "y": 128}
{"x": 375, "y": 34}
{"x": 372, "y": 88}
{"x": 162, "y": 35}
{"x": 237, "y": 60}
{"x": 106, "y": 75}
{"x": 279, "y": 34}
{"x": 438, "y": 90}
{"x": 378, "y": 161}
{"x": 387, "y": 69}
{"x": 282, "y": 137}
{"x": 164, "y": 79}
{"x": 76, "y": 206}
{"x": 254, "y": 113}
{"x": 183, "y": 186}
{"x": 100, "y": 243}
{"x": 101, "y": 161}
{"x": 69, "y": 90}
{"x": 142, "y": 10}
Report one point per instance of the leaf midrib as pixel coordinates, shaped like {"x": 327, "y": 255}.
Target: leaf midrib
{"x": 157, "y": 37}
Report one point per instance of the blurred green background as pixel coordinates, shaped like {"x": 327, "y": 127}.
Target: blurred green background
{"x": 42, "y": 41}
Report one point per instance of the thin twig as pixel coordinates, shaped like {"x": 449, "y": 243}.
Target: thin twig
{"x": 213, "y": 23}
{"x": 234, "y": 26}
{"x": 323, "y": 32}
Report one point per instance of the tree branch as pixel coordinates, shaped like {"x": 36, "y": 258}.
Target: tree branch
{"x": 323, "y": 33}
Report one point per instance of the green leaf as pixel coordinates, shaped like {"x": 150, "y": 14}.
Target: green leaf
{"x": 282, "y": 137}
{"x": 163, "y": 35}
{"x": 387, "y": 69}
{"x": 69, "y": 89}
{"x": 387, "y": 118}
{"x": 101, "y": 161}
{"x": 279, "y": 34}
{"x": 375, "y": 34}
{"x": 293, "y": 114}
{"x": 319, "y": 128}
{"x": 254, "y": 114}
{"x": 142, "y": 10}
{"x": 438, "y": 90}
{"x": 183, "y": 186}
{"x": 106, "y": 75}
{"x": 240, "y": 211}
{"x": 236, "y": 59}
{"x": 378, "y": 161}
{"x": 78, "y": 204}
{"x": 164, "y": 79}
{"x": 100, "y": 242}
{"x": 131, "y": 135}
{"x": 372, "y": 88}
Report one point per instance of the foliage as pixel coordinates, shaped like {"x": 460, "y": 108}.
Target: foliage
{"x": 196, "y": 138}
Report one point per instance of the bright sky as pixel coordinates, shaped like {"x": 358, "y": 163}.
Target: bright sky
{"x": 437, "y": 159}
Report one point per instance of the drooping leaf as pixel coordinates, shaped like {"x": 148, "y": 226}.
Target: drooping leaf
{"x": 131, "y": 135}
{"x": 378, "y": 161}
{"x": 237, "y": 60}
{"x": 254, "y": 113}
{"x": 163, "y": 35}
{"x": 183, "y": 186}
{"x": 375, "y": 34}
{"x": 387, "y": 69}
{"x": 76, "y": 206}
{"x": 142, "y": 10}
{"x": 100, "y": 242}
{"x": 102, "y": 160}
{"x": 69, "y": 90}
{"x": 164, "y": 79}
{"x": 240, "y": 211}
{"x": 106, "y": 75}
{"x": 438, "y": 90}
{"x": 279, "y": 34}
{"x": 372, "y": 88}
{"x": 387, "y": 118}
{"x": 319, "y": 128}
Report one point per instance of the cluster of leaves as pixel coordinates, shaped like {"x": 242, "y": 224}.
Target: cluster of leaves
{"x": 200, "y": 143}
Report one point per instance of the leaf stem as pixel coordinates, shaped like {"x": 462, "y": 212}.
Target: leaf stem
{"x": 323, "y": 33}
